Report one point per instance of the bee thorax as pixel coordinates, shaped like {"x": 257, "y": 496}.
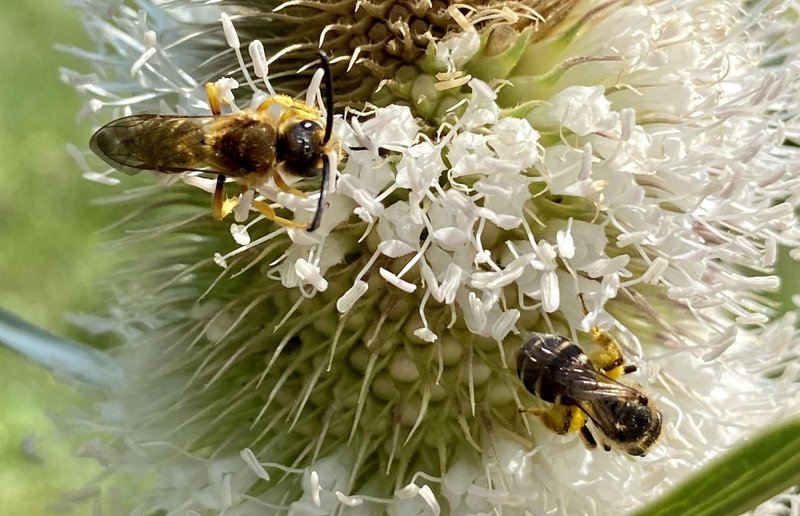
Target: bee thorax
{"x": 249, "y": 147}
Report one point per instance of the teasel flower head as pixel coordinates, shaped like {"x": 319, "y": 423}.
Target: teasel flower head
{"x": 496, "y": 160}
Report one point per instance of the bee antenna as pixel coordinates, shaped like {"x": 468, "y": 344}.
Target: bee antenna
{"x": 326, "y": 171}
{"x": 326, "y": 67}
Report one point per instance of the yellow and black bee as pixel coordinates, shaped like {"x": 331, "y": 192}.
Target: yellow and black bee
{"x": 281, "y": 135}
{"x": 584, "y": 388}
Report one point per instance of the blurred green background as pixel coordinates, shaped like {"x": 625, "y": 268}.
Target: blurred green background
{"x": 50, "y": 258}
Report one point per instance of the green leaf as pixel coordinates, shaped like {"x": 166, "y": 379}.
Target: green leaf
{"x": 739, "y": 481}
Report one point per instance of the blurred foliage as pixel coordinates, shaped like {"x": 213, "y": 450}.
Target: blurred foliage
{"x": 51, "y": 262}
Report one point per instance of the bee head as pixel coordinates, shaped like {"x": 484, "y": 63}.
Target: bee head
{"x": 300, "y": 147}
{"x": 638, "y": 428}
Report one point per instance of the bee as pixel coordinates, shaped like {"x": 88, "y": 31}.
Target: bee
{"x": 584, "y": 388}
{"x": 280, "y": 135}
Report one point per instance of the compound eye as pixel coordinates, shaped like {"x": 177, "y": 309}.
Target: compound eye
{"x": 300, "y": 148}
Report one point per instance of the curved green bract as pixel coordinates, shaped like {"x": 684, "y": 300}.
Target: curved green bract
{"x": 738, "y": 482}
{"x": 56, "y": 353}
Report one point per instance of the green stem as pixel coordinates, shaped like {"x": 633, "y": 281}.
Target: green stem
{"x": 738, "y": 482}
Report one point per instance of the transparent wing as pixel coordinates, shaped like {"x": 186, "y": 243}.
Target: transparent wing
{"x": 582, "y": 383}
{"x": 602, "y": 415}
{"x": 169, "y": 144}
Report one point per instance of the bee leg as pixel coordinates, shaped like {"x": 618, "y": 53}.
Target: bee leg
{"x": 588, "y": 438}
{"x": 218, "y": 200}
{"x": 213, "y": 99}
{"x": 280, "y": 183}
{"x": 608, "y": 359}
{"x": 326, "y": 172}
{"x": 292, "y": 107}
{"x": 220, "y": 206}
{"x": 561, "y": 419}
{"x": 267, "y": 211}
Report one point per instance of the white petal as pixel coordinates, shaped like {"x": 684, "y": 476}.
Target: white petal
{"x": 450, "y": 284}
{"x": 450, "y": 238}
{"x": 551, "y": 297}
{"x": 565, "y": 243}
{"x": 392, "y": 126}
{"x": 242, "y": 209}
{"x": 504, "y": 324}
{"x": 310, "y": 275}
{"x": 240, "y": 234}
{"x": 394, "y": 248}
{"x": 427, "y": 494}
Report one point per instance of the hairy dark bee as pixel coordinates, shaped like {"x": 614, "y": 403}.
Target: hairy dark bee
{"x": 281, "y": 135}
{"x": 584, "y": 388}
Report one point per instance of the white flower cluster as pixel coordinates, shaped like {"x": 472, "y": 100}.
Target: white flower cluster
{"x": 438, "y": 224}
{"x": 664, "y": 189}
{"x": 678, "y": 160}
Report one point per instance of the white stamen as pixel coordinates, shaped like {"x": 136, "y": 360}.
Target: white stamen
{"x": 315, "y": 488}
{"x": 425, "y": 334}
{"x": 227, "y": 492}
{"x": 721, "y": 343}
{"x": 252, "y": 462}
{"x": 231, "y": 37}
{"x": 353, "y": 294}
{"x": 653, "y": 273}
{"x": 397, "y": 282}
{"x": 139, "y": 63}
{"x": 350, "y": 501}
{"x": 259, "y": 58}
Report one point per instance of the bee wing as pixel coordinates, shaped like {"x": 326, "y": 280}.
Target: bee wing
{"x": 169, "y": 144}
{"x": 602, "y": 416}
{"x": 585, "y": 384}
